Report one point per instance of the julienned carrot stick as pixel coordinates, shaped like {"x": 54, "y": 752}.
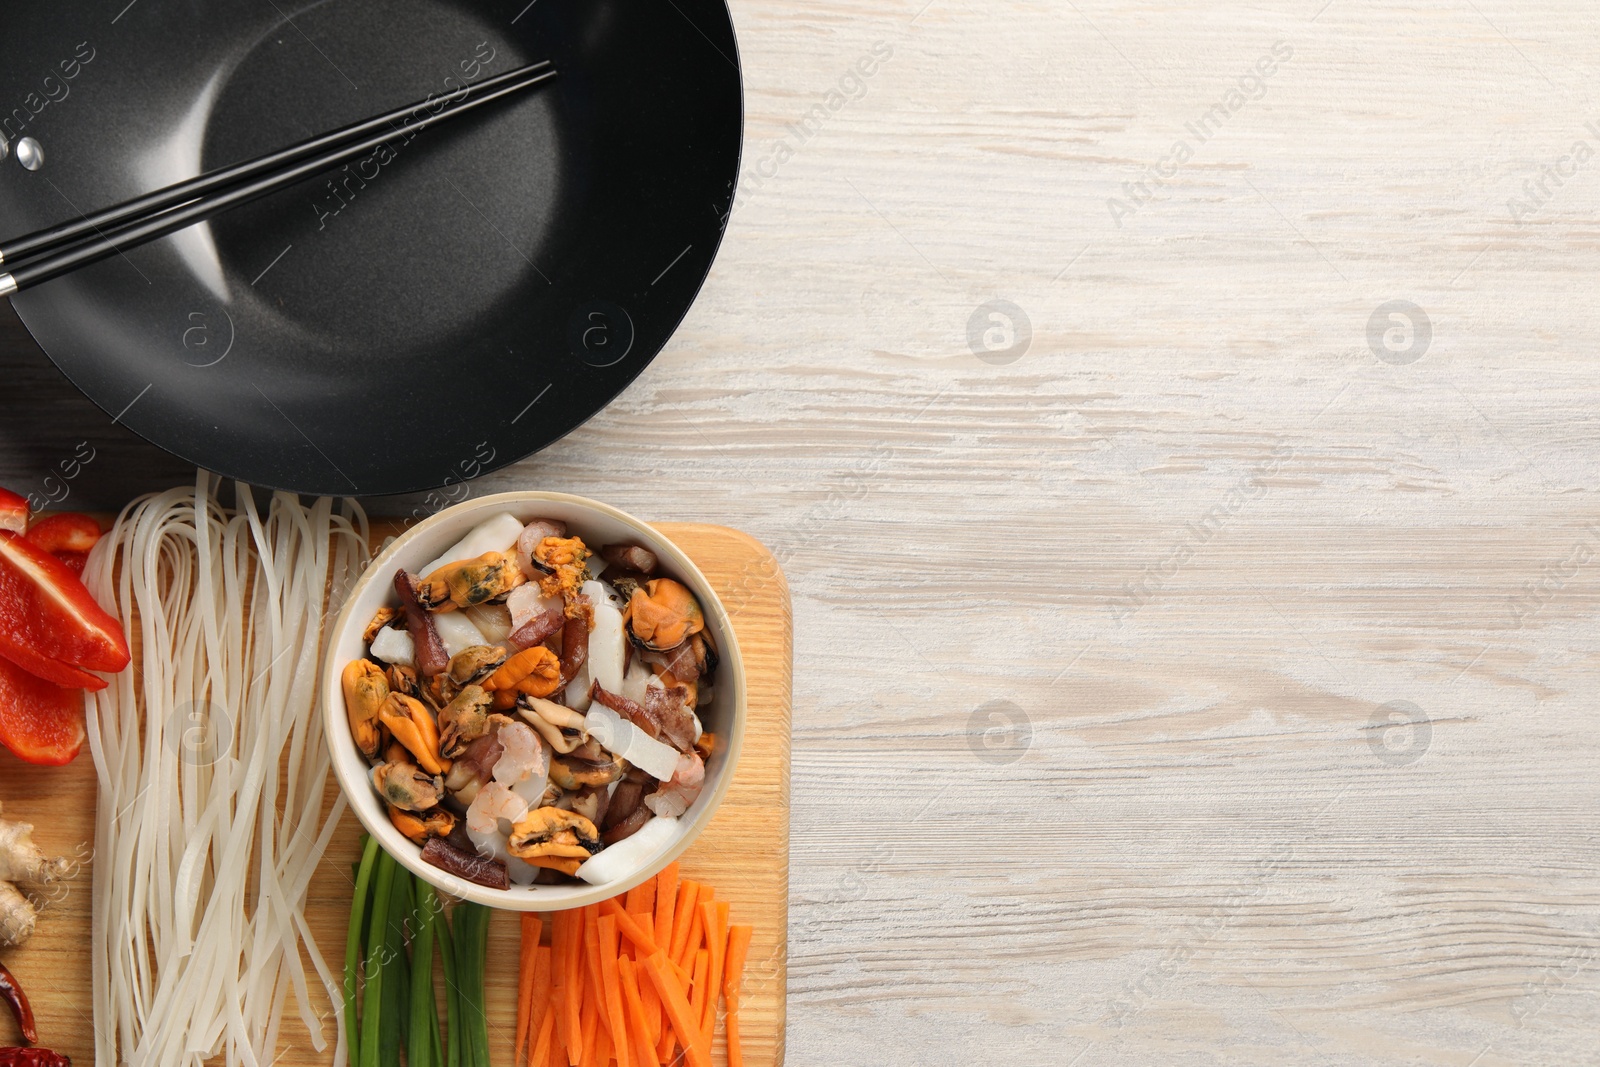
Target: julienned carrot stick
{"x": 733, "y": 969}
{"x": 732, "y": 985}
{"x": 688, "y": 897}
{"x": 541, "y": 994}
{"x": 573, "y": 991}
{"x": 544, "y": 1042}
{"x": 697, "y": 995}
{"x": 628, "y": 926}
{"x": 666, "y": 897}
{"x": 590, "y": 1031}
{"x": 561, "y": 977}
{"x": 696, "y": 938}
{"x": 633, "y": 1005}
{"x": 678, "y": 1010}
{"x": 594, "y": 997}
{"x": 642, "y": 898}
{"x": 530, "y": 941}
{"x": 621, "y": 1043}
{"x": 714, "y": 916}
{"x": 682, "y": 923}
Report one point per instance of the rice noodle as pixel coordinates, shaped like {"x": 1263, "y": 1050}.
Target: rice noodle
{"x": 208, "y": 841}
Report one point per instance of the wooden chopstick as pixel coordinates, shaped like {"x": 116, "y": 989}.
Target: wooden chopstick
{"x": 58, "y": 250}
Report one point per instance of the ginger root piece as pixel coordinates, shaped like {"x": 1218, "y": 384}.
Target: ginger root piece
{"x": 22, "y": 861}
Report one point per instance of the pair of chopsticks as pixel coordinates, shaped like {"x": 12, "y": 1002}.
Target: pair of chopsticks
{"x": 49, "y": 253}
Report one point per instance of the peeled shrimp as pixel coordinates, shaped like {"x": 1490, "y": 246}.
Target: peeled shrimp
{"x": 494, "y": 807}
{"x": 523, "y": 755}
{"x": 675, "y": 797}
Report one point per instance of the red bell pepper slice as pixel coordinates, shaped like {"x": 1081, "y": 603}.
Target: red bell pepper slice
{"x": 39, "y": 721}
{"x": 49, "y": 624}
{"x": 13, "y": 511}
{"x": 66, "y": 532}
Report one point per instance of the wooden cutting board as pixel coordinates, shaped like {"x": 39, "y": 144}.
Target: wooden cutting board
{"x": 744, "y": 852}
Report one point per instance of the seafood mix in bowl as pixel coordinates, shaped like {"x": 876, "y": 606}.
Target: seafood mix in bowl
{"x": 529, "y": 705}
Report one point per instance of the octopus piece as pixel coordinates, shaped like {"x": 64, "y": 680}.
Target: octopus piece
{"x": 475, "y": 766}
{"x": 575, "y": 638}
{"x": 431, "y": 657}
{"x": 691, "y": 660}
{"x": 634, "y": 558}
{"x": 663, "y": 716}
{"x": 537, "y": 630}
{"x": 625, "y": 799}
{"x": 481, "y": 870}
{"x": 669, "y": 709}
{"x": 626, "y": 828}
{"x": 591, "y": 804}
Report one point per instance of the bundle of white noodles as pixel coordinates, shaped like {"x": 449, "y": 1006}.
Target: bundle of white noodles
{"x": 212, "y": 768}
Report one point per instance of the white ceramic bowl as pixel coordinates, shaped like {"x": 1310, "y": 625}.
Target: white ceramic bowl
{"x": 598, "y": 525}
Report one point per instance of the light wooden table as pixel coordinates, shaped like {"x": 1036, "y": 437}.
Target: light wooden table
{"x": 1098, "y": 639}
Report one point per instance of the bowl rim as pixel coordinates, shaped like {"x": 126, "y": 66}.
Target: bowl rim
{"x": 337, "y": 734}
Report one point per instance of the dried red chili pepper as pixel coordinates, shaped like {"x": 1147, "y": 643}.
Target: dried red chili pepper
{"x": 32, "y": 1057}
{"x": 11, "y": 990}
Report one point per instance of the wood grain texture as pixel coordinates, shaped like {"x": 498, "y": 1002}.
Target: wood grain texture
{"x": 744, "y": 853}
{"x": 1198, "y": 855}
